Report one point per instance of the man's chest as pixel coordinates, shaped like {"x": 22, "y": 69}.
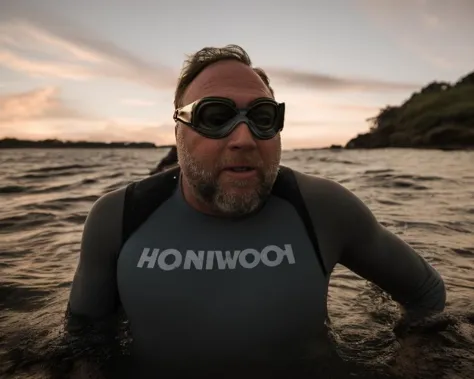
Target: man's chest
{"x": 245, "y": 284}
{"x": 225, "y": 253}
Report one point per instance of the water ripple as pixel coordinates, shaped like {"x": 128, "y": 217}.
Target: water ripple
{"x": 426, "y": 197}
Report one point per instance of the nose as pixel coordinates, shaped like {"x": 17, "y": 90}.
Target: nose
{"x": 242, "y": 138}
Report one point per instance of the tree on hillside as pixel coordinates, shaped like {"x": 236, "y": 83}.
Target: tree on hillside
{"x": 467, "y": 80}
{"x": 384, "y": 119}
{"x": 435, "y": 87}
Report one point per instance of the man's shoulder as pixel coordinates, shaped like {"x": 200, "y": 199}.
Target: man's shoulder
{"x": 319, "y": 187}
{"x": 137, "y": 196}
{"x": 107, "y": 207}
{"x": 328, "y": 198}
{"x": 143, "y": 197}
{"x": 340, "y": 218}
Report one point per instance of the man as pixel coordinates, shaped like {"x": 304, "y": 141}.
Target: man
{"x": 224, "y": 262}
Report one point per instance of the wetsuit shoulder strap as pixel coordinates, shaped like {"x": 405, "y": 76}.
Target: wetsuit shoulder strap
{"x": 143, "y": 197}
{"x": 286, "y": 187}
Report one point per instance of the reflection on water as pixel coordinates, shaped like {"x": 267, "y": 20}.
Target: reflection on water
{"x": 426, "y": 197}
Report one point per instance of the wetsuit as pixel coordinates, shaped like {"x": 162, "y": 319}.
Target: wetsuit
{"x": 201, "y": 290}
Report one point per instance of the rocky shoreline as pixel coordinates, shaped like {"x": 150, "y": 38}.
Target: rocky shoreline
{"x": 439, "y": 116}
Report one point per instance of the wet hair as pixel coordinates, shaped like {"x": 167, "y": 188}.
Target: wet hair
{"x": 197, "y": 62}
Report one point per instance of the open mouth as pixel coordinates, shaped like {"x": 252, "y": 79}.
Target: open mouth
{"x": 240, "y": 168}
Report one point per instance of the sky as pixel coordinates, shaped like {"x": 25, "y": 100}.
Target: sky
{"x": 107, "y": 70}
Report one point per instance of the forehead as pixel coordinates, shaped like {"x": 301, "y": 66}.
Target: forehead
{"x": 230, "y": 79}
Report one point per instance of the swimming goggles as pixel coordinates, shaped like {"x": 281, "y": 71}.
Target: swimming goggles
{"x": 217, "y": 117}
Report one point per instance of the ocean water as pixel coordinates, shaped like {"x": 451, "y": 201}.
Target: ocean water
{"x": 425, "y": 197}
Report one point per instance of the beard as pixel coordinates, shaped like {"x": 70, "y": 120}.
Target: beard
{"x": 248, "y": 194}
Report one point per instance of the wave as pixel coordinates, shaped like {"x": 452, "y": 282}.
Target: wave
{"x": 425, "y": 197}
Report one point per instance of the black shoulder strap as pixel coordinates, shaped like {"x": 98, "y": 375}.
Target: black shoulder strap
{"x": 142, "y": 198}
{"x": 287, "y": 188}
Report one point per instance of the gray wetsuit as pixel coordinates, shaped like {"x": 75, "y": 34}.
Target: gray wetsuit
{"x": 198, "y": 289}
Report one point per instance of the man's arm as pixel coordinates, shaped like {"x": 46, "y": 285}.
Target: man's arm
{"x": 91, "y": 319}
{"x": 376, "y": 254}
{"x": 93, "y": 296}
{"x": 349, "y": 234}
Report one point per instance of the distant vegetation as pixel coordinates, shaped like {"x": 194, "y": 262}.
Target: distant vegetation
{"x": 13, "y": 143}
{"x": 441, "y": 115}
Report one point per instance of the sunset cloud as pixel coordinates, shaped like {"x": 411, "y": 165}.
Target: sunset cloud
{"x": 138, "y": 103}
{"x": 72, "y": 54}
{"x": 42, "y": 113}
{"x": 93, "y": 74}
{"x": 38, "y": 104}
{"x": 329, "y": 82}
{"x": 90, "y": 130}
{"x": 76, "y": 54}
{"x": 44, "y": 68}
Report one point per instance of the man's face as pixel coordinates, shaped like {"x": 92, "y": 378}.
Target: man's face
{"x": 205, "y": 162}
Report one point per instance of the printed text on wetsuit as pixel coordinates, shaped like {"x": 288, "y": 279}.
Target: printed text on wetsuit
{"x": 171, "y": 259}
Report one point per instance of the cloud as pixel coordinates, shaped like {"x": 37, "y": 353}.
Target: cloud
{"x": 90, "y": 130}
{"x": 329, "y": 82}
{"x": 42, "y": 103}
{"x": 76, "y": 54}
{"x": 43, "y": 68}
{"x": 435, "y": 31}
{"x": 73, "y": 52}
{"x": 138, "y": 102}
{"x": 42, "y": 113}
